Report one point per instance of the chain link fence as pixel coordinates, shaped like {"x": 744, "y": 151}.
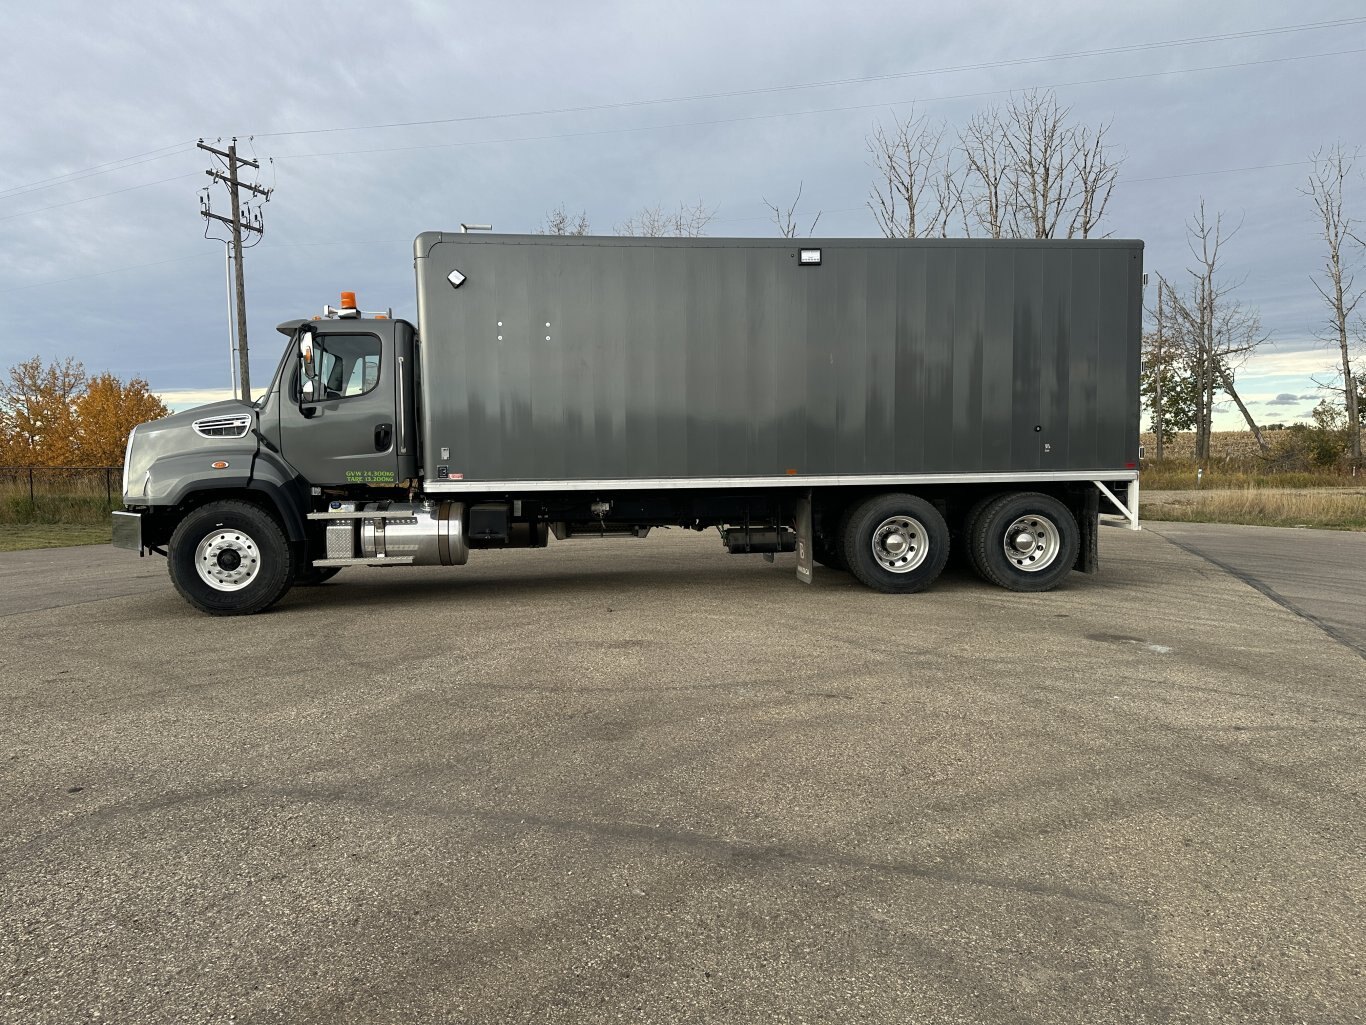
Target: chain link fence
{"x": 59, "y": 494}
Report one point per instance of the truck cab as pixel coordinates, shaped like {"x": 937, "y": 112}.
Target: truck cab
{"x": 346, "y": 415}
{"x": 337, "y": 419}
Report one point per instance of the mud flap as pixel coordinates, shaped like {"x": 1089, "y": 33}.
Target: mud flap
{"x": 803, "y": 525}
{"x": 1087, "y": 511}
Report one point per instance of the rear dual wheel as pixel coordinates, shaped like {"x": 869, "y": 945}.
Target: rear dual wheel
{"x": 896, "y": 543}
{"x": 1023, "y": 541}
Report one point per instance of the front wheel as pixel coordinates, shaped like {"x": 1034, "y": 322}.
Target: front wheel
{"x": 1025, "y": 542}
{"x": 230, "y": 559}
{"x": 896, "y": 544}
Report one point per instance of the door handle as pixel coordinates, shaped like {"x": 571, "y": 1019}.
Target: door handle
{"x": 384, "y": 434}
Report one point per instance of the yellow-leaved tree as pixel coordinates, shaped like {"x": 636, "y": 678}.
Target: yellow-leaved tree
{"x": 37, "y": 415}
{"x": 53, "y": 414}
{"x": 106, "y": 411}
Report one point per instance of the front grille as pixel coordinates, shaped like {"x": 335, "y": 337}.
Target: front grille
{"x": 235, "y": 426}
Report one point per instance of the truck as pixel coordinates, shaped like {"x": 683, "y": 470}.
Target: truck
{"x": 867, "y": 404}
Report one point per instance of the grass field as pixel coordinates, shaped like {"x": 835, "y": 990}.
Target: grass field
{"x": 60, "y": 496}
{"x": 1182, "y": 475}
{"x": 1235, "y": 461}
{"x": 67, "y": 507}
{"x": 1274, "y": 507}
{"x": 16, "y": 537}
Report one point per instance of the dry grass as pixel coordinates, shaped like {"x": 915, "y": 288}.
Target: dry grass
{"x": 18, "y": 537}
{"x": 1181, "y": 475}
{"x": 60, "y": 496}
{"x": 1330, "y": 510}
{"x": 1236, "y": 462}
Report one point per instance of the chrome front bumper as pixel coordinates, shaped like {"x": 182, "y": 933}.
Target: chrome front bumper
{"x": 128, "y": 531}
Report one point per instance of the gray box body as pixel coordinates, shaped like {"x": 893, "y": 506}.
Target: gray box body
{"x": 576, "y": 362}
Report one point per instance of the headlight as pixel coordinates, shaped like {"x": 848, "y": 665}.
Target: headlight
{"x": 127, "y": 460}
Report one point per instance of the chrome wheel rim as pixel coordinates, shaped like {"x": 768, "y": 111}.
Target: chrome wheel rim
{"x": 1032, "y": 543}
{"x": 900, "y": 544}
{"x": 227, "y": 560}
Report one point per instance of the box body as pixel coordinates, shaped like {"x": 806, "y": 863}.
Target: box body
{"x": 593, "y": 361}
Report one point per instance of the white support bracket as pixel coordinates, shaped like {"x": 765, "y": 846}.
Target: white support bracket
{"x": 1129, "y": 508}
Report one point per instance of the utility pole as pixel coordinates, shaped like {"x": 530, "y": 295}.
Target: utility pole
{"x": 1161, "y": 368}
{"x": 253, "y": 223}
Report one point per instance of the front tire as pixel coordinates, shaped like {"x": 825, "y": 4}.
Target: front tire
{"x": 230, "y": 559}
{"x": 1025, "y": 542}
{"x": 897, "y": 544}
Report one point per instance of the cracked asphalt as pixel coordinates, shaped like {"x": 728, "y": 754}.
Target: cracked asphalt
{"x": 646, "y": 781}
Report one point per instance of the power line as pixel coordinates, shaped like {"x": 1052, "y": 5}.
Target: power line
{"x": 86, "y": 199}
{"x": 1221, "y": 170}
{"x": 201, "y": 256}
{"x": 711, "y": 122}
{"x": 103, "y": 273}
{"x": 90, "y": 172}
{"x": 763, "y": 90}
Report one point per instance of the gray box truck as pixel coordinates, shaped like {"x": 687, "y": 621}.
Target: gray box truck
{"x": 864, "y": 403}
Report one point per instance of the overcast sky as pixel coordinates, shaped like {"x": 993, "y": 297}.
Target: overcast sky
{"x": 109, "y": 264}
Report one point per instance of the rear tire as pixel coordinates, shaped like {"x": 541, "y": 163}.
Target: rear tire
{"x": 1025, "y": 542}
{"x": 230, "y": 559}
{"x": 971, "y": 524}
{"x": 896, "y": 544}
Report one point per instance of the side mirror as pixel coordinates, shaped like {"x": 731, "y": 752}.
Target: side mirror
{"x": 310, "y": 382}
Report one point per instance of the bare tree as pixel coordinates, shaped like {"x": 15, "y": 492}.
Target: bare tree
{"x": 1027, "y": 170}
{"x": 1219, "y": 331}
{"x": 1097, "y": 170}
{"x": 1039, "y": 147}
{"x": 988, "y": 187}
{"x": 1332, "y": 166}
{"x": 786, "y": 220}
{"x": 919, "y": 183}
{"x": 656, "y": 222}
{"x": 558, "y": 222}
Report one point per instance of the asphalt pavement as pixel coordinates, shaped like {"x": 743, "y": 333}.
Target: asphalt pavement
{"x": 647, "y": 781}
{"x": 1320, "y": 574}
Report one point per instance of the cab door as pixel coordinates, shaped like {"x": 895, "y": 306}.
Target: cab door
{"x": 347, "y": 434}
